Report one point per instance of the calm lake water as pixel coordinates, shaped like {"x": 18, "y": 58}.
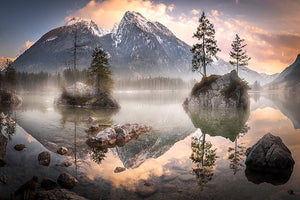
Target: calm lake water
{"x": 168, "y": 156}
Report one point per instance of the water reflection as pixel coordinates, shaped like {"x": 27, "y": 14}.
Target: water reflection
{"x": 97, "y": 154}
{"x": 205, "y": 158}
{"x": 225, "y": 123}
{"x": 288, "y": 105}
{"x": 279, "y": 177}
{"x": 236, "y": 155}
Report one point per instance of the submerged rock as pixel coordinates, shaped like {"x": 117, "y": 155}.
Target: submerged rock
{"x": 2, "y": 162}
{"x": 269, "y": 153}
{"x": 146, "y": 189}
{"x": 58, "y": 194}
{"x": 119, "y": 169}
{"x": 227, "y": 91}
{"x": 48, "y": 184}
{"x": 67, "y": 181}
{"x": 44, "y": 158}
{"x": 4, "y": 179}
{"x": 65, "y": 164}
{"x": 84, "y": 95}
{"x": 19, "y": 147}
{"x": 111, "y": 137}
{"x": 62, "y": 151}
{"x": 27, "y": 190}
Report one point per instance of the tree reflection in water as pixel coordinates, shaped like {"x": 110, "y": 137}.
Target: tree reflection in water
{"x": 98, "y": 154}
{"x": 205, "y": 158}
{"x": 237, "y": 153}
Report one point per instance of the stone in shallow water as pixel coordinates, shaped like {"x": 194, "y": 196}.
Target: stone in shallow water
{"x": 58, "y": 194}
{"x": 119, "y": 169}
{"x": 48, "y": 184}
{"x": 2, "y": 162}
{"x": 65, "y": 164}
{"x": 44, "y": 158}
{"x": 113, "y": 136}
{"x": 146, "y": 189}
{"x": 62, "y": 151}
{"x": 4, "y": 179}
{"x": 19, "y": 147}
{"x": 27, "y": 190}
{"x": 67, "y": 181}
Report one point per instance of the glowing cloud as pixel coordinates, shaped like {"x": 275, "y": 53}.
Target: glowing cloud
{"x": 27, "y": 45}
{"x": 106, "y": 13}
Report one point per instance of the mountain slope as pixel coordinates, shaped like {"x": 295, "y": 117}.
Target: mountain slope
{"x": 137, "y": 48}
{"x": 291, "y": 74}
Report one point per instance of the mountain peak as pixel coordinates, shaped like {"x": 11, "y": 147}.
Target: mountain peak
{"x": 146, "y": 25}
{"x": 90, "y": 24}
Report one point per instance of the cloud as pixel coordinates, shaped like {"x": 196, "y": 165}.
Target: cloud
{"x": 195, "y": 12}
{"x": 171, "y": 7}
{"x": 108, "y": 12}
{"x": 27, "y": 45}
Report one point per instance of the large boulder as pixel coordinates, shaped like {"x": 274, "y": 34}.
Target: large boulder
{"x": 118, "y": 135}
{"x": 227, "y": 91}
{"x": 84, "y": 95}
{"x": 269, "y": 153}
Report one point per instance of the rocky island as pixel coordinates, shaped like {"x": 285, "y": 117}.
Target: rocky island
{"x": 82, "y": 95}
{"x": 227, "y": 91}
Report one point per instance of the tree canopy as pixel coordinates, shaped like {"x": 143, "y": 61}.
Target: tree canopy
{"x": 206, "y": 48}
{"x": 239, "y": 56}
{"x": 99, "y": 73}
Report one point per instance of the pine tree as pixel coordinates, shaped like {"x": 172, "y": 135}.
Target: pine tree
{"x": 238, "y": 55}
{"x": 99, "y": 73}
{"x": 206, "y": 49}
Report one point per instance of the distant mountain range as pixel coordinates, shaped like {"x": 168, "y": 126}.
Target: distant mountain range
{"x": 137, "y": 48}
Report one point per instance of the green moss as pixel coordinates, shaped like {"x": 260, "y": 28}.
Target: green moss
{"x": 204, "y": 85}
{"x": 235, "y": 88}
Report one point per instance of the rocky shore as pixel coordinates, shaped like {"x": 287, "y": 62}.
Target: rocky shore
{"x": 82, "y": 95}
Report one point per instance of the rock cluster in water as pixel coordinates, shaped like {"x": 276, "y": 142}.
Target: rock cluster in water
{"x": 117, "y": 135}
{"x": 84, "y": 95}
{"x": 227, "y": 91}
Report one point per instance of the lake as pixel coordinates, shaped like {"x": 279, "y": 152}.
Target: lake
{"x": 167, "y": 156}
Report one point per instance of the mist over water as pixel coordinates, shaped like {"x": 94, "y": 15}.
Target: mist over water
{"x": 163, "y": 155}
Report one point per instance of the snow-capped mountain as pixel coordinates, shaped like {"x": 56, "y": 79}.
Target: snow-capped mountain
{"x": 136, "y": 47}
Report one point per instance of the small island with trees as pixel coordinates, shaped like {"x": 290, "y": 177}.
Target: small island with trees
{"x": 214, "y": 91}
{"x": 96, "y": 92}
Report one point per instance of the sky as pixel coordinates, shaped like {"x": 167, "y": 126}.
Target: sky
{"x": 271, "y": 28}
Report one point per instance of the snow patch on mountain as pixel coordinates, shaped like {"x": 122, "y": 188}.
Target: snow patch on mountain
{"x": 51, "y": 38}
